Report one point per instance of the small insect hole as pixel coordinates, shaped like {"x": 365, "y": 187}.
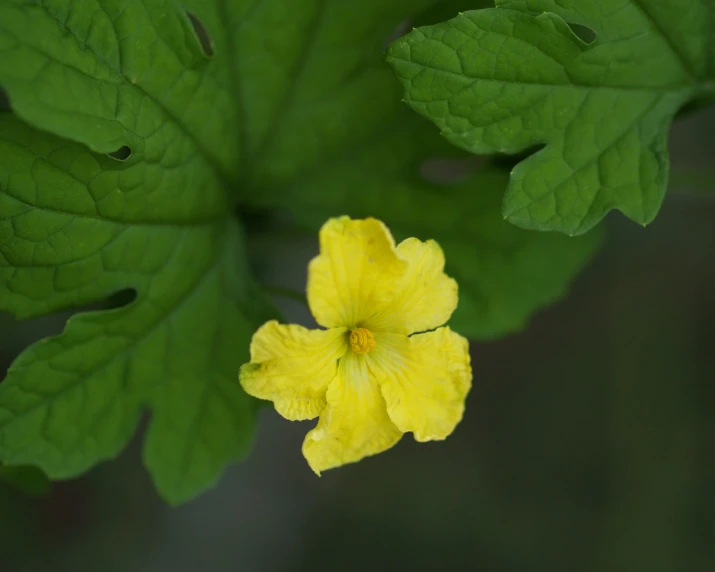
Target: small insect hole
{"x": 202, "y": 35}
{"x": 584, "y": 33}
{"x": 121, "y": 298}
{"x": 121, "y": 154}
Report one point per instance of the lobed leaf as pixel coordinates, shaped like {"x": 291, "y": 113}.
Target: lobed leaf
{"x": 515, "y": 77}
{"x": 78, "y": 226}
{"x": 66, "y": 239}
{"x": 137, "y": 127}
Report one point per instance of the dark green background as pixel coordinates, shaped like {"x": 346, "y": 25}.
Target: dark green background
{"x": 587, "y": 443}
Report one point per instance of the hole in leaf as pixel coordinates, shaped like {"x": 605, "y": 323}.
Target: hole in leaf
{"x": 121, "y": 154}
{"x": 585, "y": 34}
{"x": 442, "y": 171}
{"x": 202, "y": 35}
{"x": 16, "y": 335}
{"x": 119, "y": 299}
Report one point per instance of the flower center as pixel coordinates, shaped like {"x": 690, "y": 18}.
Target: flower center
{"x": 362, "y": 341}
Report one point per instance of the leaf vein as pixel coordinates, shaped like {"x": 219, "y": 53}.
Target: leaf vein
{"x": 82, "y": 379}
{"x": 203, "y": 151}
{"x": 291, "y": 92}
{"x": 674, "y": 47}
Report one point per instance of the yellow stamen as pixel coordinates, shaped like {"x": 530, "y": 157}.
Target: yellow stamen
{"x": 362, "y": 341}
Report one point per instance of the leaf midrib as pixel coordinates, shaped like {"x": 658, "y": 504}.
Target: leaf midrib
{"x": 706, "y": 87}
{"x": 685, "y": 63}
{"x": 144, "y": 222}
{"x": 287, "y": 101}
{"x": 237, "y": 86}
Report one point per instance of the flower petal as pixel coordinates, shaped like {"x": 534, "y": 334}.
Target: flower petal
{"x": 355, "y": 422}
{"x": 293, "y": 366}
{"x": 425, "y": 296}
{"x": 355, "y": 274}
{"x": 425, "y": 379}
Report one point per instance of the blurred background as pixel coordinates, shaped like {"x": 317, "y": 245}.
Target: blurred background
{"x": 587, "y": 443}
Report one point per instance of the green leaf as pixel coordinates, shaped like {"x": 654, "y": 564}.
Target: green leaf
{"x": 69, "y": 237}
{"x": 78, "y": 226}
{"x": 514, "y": 77}
{"x": 282, "y": 103}
{"x": 373, "y": 166}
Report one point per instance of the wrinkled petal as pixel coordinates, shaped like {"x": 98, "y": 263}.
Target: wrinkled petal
{"x": 293, "y": 366}
{"x": 425, "y": 379}
{"x": 425, "y": 296}
{"x": 356, "y": 273}
{"x": 355, "y": 422}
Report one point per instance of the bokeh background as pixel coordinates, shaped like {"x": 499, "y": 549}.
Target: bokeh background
{"x": 587, "y": 443}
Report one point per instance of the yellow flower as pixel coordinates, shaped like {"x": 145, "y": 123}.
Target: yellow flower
{"x": 370, "y": 376}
